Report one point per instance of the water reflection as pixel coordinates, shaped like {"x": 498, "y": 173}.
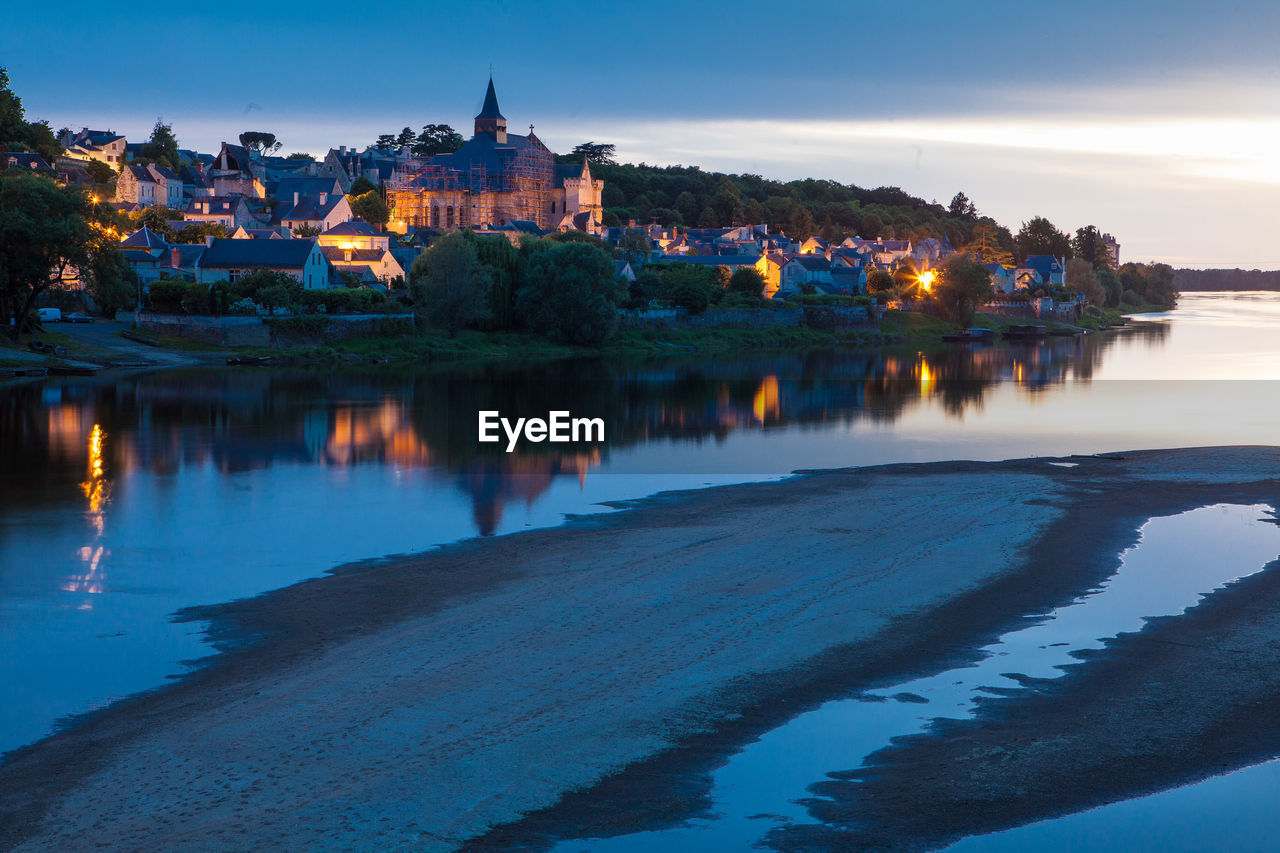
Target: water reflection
{"x": 97, "y": 491}
{"x": 244, "y": 421}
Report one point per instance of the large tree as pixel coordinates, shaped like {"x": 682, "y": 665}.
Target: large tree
{"x": 371, "y": 208}
{"x": 1081, "y": 278}
{"x": 260, "y": 141}
{"x": 990, "y": 245}
{"x": 1088, "y": 245}
{"x": 449, "y": 285}
{"x": 962, "y": 285}
{"x": 48, "y": 234}
{"x": 437, "y": 139}
{"x": 18, "y": 134}
{"x": 162, "y": 147}
{"x": 1039, "y": 236}
{"x": 595, "y": 153}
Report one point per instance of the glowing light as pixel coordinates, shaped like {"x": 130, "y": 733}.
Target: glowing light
{"x": 765, "y": 405}
{"x": 927, "y": 378}
{"x": 926, "y": 280}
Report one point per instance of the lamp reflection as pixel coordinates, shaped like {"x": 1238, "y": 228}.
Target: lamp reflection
{"x": 97, "y": 491}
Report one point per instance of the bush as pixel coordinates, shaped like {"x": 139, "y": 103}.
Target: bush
{"x": 165, "y": 297}
{"x": 243, "y": 307}
{"x": 1130, "y": 298}
{"x": 570, "y": 294}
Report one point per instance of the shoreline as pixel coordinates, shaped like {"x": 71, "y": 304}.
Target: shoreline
{"x": 631, "y": 646}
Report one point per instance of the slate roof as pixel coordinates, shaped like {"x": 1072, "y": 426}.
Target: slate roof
{"x": 483, "y": 150}
{"x": 814, "y": 263}
{"x": 225, "y": 253}
{"x": 144, "y": 238}
{"x": 166, "y": 173}
{"x": 715, "y": 260}
{"x": 24, "y": 159}
{"x": 101, "y": 137}
{"x": 188, "y": 255}
{"x": 308, "y": 209}
{"x": 353, "y": 228}
{"x": 1045, "y": 265}
{"x": 284, "y": 188}
{"x": 141, "y": 175}
{"x": 490, "y": 108}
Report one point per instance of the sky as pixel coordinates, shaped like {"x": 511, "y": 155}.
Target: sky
{"x": 1156, "y": 122}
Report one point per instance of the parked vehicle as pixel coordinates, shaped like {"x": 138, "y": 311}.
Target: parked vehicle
{"x": 76, "y": 317}
{"x": 49, "y": 315}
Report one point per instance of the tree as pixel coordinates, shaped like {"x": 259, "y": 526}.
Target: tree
{"x": 1112, "y": 288}
{"x": 879, "y": 281}
{"x": 301, "y": 155}
{"x": 99, "y": 171}
{"x": 595, "y": 153}
{"x": 371, "y": 208}
{"x": 260, "y": 141}
{"x": 449, "y": 285}
{"x": 385, "y": 142}
{"x": 437, "y": 139}
{"x": 570, "y": 294}
{"x": 406, "y": 138}
{"x": 162, "y": 147}
{"x": 961, "y": 206}
{"x": 747, "y": 281}
{"x": 47, "y": 232}
{"x": 1088, "y": 245}
{"x": 360, "y": 186}
{"x": 1040, "y": 237}
{"x": 1081, "y": 278}
{"x": 989, "y": 245}
{"x": 18, "y": 134}
{"x": 306, "y": 232}
{"x": 111, "y": 282}
{"x": 962, "y": 285}
{"x": 635, "y": 246}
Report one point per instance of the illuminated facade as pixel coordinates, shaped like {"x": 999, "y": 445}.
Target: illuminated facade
{"x": 494, "y": 179}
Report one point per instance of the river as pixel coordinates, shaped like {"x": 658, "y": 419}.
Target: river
{"x": 126, "y": 498}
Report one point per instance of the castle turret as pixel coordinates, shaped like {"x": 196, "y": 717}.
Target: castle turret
{"x": 491, "y": 120}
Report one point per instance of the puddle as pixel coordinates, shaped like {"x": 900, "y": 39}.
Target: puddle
{"x": 1177, "y": 560}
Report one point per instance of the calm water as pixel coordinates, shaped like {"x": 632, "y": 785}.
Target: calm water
{"x": 1176, "y": 560}
{"x": 124, "y": 499}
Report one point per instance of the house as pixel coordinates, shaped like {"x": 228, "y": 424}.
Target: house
{"x": 22, "y": 160}
{"x": 379, "y": 262}
{"x": 849, "y": 280}
{"x": 147, "y": 254}
{"x": 248, "y": 233}
{"x": 136, "y": 185}
{"x": 227, "y": 260}
{"x": 195, "y": 183}
{"x": 802, "y": 270}
{"x": 184, "y": 260}
{"x": 321, "y": 211}
{"x": 1052, "y": 270}
{"x": 150, "y": 185}
{"x": 103, "y": 145}
{"x": 1026, "y": 278}
{"x": 355, "y": 234}
{"x": 231, "y": 212}
{"x": 234, "y": 171}
{"x": 622, "y": 271}
{"x": 1002, "y": 278}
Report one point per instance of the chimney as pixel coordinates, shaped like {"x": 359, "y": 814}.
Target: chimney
{"x": 324, "y": 198}
{"x": 295, "y": 198}
{"x": 342, "y": 150}
{"x": 208, "y": 240}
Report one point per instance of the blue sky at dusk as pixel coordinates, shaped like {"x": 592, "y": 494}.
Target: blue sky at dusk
{"x": 1159, "y": 122}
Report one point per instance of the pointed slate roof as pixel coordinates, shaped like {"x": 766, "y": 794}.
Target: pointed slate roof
{"x": 490, "y": 108}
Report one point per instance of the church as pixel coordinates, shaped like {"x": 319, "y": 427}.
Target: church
{"x": 494, "y": 179}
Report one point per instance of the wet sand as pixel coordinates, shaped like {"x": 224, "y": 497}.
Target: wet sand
{"x": 417, "y": 703}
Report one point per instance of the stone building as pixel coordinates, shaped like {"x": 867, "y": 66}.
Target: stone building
{"x": 494, "y": 179}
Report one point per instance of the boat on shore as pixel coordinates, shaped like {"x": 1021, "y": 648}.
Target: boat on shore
{"x": 965, "y": 335}
{"x": 1025, "y": 332}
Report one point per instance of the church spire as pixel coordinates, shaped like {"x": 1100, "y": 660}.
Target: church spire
{"x": 586, "y": 170}
{"x": 491, "y": 120}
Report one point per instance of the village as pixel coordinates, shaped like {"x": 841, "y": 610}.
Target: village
{"x": 358, "y": 219}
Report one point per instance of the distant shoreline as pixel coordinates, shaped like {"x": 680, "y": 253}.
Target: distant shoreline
{"x": 426, "y": 700}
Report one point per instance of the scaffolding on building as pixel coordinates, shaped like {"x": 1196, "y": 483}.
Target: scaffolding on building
{"x": 437, "y": 196}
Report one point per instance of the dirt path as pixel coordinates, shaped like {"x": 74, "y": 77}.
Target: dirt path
{"x": 103, "y": 345}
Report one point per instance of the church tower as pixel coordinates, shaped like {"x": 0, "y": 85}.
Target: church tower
{"x": 490, "y": 120}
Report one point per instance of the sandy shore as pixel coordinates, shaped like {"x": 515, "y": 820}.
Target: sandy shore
{"x": 420, "y": 702}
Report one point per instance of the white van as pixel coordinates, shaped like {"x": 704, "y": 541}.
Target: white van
{"x": 50, "y": 315}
